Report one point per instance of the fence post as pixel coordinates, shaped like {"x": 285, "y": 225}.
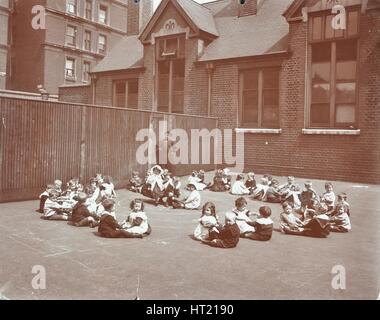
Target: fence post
{"x": 83, "y": 146}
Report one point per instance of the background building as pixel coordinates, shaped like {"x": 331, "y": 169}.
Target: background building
{"x": 78, "y": 34}
{"x": 305, "y": 96}
{"x": 5, "y": 41}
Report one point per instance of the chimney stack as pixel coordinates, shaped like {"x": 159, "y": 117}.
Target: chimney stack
{"x": 139, "y": 13}
{"x": 248, "y": 7}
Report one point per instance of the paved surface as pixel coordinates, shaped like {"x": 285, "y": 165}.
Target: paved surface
{"x": 170, "y": 265}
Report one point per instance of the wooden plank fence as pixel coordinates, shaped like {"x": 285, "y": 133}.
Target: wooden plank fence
{"x": 44, "y": 140}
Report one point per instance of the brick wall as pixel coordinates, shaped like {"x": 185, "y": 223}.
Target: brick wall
{"x": 76, "y": 94}
{"x": 352, "y": 158}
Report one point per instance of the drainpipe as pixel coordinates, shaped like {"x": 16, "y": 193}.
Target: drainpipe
{"x": 210, "y": 71}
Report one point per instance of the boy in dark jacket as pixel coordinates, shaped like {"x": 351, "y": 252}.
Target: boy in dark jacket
{"x": 263, "y": 226}
{"x": 109, "y": 227}
{"x": 81, "y": 216}
{"x": 226, "y": 236}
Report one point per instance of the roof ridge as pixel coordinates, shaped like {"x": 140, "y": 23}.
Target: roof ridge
{"x": 200, "y": 4}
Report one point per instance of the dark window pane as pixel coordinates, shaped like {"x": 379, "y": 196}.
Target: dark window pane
{"x": 120, "y": 87}
{"x": 320, "y": 115}
{"x": 329, "y": 31}
{"x": 270, "y": 97}
{"x": 346, "y": 70}
{"x": 179, "y": 68}
{"x": 346, "y": 50}
{"x": 250, "y": 107}
{"x": 270, "y": 116}
{"x": 321, "y": 52}
{"x": 271, "y": 79}
{"x": 317, "y": 28}
{"x": 164, "y": 67}
{"x": 352, "y": 28}
{"x": 345, "y": 113}
{"x": 320, "y": 93}
{"x": 177, "y": 103}
{"x": 320, "y": 72}
{"x": 133, "y": 86}
{"x": 251, "y": 80}
{"x": 171, "y": 45}
{"x": 346, "y": 92}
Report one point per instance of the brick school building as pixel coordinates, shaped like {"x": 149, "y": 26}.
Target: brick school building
{"x": 304, "y": 93}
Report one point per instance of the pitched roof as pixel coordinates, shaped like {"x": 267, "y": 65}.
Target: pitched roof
{"x": 126, "y": 54}
{"x": 200, "y": 15}
{"x": 253, "y": 35}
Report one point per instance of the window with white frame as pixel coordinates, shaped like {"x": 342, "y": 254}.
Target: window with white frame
{"x": 71, "y": 6}
{"x": 71, "y": 36}
{"x": 86, "y": 71}
{"x": 70, "y": 69}
{"x": 259, "y": 98}
{"x": 333, "y": 72}
{"x": 103, "y": 12}
{"x": 102, "y": 44}
{"x": 87, "y": 40}
{"x": 88, "y": 10}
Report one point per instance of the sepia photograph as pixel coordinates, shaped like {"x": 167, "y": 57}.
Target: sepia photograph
{"x": 189, "y": 150}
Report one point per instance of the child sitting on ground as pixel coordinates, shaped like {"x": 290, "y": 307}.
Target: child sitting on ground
{"x": 218, "y": 184}
{"x": 342, "y": 200}
{"x": 56, "y": 209}
{"x": 340, "y": 221}
{"x": 273, "y": 195}
{"x": 328, "y": 197}
{"x": 45, "y": 195}
{"x": 196, "y": 181}
{"x": 261, "y": 189}
{"x": 289, "y": 221}
{"x": 226, "y": 178}
{"x": 207, "y": 222}
{"x": 109, "y": 227}
{"x": 81, "y": 216}
{"x": 192, "y": 202}
{"x": 135, "y": 183}
{"x": 108, "y": 191}
{"x": 307, "y": 194}
{"x": 263, "y": 226}
{"x": 291, "y": 192}
{"x": 250, "y": 183}
{"x": 317, "y": 227}
{"x": 239, "y": 188}
{"x": 155, "y": 184}
{"x": 73, "y": 188}
{"x": 172, "y": 191}
{"x": 243, "y": 215}
{"x": 137, "y": 222}
{"x": 226, "y": 236}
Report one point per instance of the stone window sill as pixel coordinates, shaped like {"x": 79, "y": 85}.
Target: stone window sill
{"x": 258, "y": 130}
{"x": 346, "y": 132}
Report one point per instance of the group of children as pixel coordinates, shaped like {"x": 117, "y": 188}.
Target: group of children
{"x": 93, "y": 206}
{"x": 304, "y": 212}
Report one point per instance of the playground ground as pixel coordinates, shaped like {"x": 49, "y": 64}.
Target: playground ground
{"x": 170, "y": 265}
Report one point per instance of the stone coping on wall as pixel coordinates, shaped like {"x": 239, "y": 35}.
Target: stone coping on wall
{"x": 258, "y": 130}
{"x": 346, "y": 132}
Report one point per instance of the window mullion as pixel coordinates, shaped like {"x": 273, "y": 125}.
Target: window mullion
{"x": 333, "y": 84}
